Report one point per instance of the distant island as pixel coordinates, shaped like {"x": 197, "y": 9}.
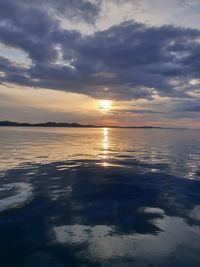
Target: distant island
{"x": 64, "y": 124}
{"x": 45, "y": 124}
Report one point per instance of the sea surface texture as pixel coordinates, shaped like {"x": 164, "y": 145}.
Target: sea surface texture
{"x": 99, "y": 197}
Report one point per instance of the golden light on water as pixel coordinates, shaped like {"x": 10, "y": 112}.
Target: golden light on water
{"x": 105, "y": 105}
{"x": 105, "y": 140}
{"x": 105, "y": 144}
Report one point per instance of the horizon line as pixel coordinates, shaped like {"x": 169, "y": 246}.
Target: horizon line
{"x": 52, "y": 124}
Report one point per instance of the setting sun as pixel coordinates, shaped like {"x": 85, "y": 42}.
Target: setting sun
{"x": 105, "y": 105}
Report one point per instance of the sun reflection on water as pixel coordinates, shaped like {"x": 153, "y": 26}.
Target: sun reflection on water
{"x": 171, "y": 151}
{"x": 105, "y": 146}
{"x": 105, "y": 140}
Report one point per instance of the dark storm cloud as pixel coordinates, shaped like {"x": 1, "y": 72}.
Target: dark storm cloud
{"x": 127, "y": 61}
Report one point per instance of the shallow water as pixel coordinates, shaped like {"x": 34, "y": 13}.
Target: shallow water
{"x": 99, "y": 197}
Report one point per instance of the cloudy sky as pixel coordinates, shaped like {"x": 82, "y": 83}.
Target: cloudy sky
{"x": 61, "y": 59}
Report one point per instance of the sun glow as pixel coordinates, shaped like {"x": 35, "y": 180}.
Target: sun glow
{"x": 105, "y": 105}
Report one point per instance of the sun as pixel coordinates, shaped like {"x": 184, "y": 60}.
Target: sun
{"x": 105, "y": 105}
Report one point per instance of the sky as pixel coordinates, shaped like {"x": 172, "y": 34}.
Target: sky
{"x": 103, "y": 62}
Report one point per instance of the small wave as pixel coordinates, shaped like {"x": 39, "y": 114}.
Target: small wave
{"x": 18, "y": 194}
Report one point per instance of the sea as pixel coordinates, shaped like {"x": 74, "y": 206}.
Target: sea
{"x": 99, "y": 197}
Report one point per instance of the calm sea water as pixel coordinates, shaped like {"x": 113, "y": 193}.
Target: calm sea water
{"x": 99, "y": 197}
